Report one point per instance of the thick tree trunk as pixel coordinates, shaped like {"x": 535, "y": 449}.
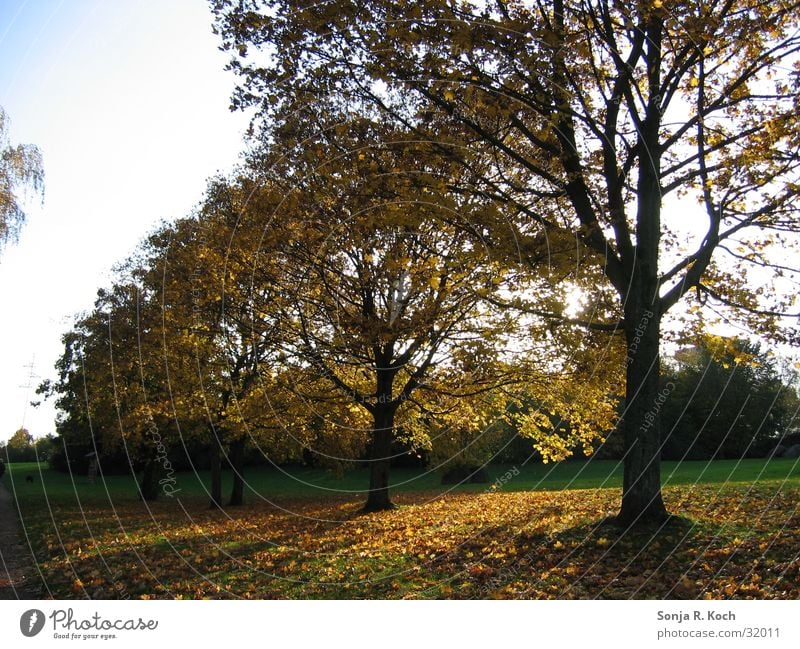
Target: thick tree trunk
{"x": 380, "y": 453}
{"x": 149, "y": 488}
{"x": 216, "y": 477}
{"x": 641, "y": 491}
{"x": 236, "y": 459}
{"x": 642, "y": 502}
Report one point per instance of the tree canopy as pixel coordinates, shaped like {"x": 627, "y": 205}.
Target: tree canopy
{"x": 599, "y": 119}
{"x": 334, "y": 315}
{"x": 727, "y": 398}
{"x": 20, "y": 168}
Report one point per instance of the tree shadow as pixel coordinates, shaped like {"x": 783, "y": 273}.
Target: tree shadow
{"x": 599, "y": 559}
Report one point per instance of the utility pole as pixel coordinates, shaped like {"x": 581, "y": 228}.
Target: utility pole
{"x": 28, "y": 385}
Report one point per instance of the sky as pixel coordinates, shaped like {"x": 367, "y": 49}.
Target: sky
{"x": 128, "y": 101}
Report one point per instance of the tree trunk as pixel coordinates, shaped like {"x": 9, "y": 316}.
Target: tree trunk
{"x": 236, "y": 460}
{"x": 641, "y": 491}
{"x": 149, "y": 487}
{"x": 380, "y": 452}
{"x": 216, "y": 477}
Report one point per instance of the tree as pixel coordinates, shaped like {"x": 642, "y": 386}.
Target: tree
{"x": 725, "y": 398}
{"x": 20, "y": 447}
{"x": 21, "y": 439}
{"x": 20, "y": 166}
{"x": 111, "y": 390}
{"x": 45, "y": 447}
{"x": 219, "y": 350}
{"x": 386, "y": 305}
{"x": 173, "y": 357}
{"x": 188, "y": 274}
{"x": 73, "y": 428}
{"x": 374, "y": 301}
{"x": 594, "y": 114}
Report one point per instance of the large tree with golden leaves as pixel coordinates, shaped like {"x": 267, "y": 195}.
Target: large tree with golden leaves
{"x": 389, "y": 302}
{"x": 661, "y": 136}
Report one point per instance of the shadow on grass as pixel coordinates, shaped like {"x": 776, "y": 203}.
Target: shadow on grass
{"x": 596, "y": 559}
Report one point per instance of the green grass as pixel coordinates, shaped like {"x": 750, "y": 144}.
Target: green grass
{"x": 295, "y": 482}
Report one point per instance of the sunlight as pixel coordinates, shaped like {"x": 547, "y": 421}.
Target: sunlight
{"x": 574, "y": 300}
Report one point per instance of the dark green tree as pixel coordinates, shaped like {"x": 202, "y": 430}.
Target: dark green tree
{"x": 726, "y": 399}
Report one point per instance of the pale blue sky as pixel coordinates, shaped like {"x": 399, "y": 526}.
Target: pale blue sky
{"x": 128, "y": 101}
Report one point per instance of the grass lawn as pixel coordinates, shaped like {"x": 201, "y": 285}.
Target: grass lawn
{"x": 296, "y": 482}
{"x": 541, "y": 535}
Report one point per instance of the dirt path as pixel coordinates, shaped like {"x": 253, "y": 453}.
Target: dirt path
{"x": 18, "y": 576}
